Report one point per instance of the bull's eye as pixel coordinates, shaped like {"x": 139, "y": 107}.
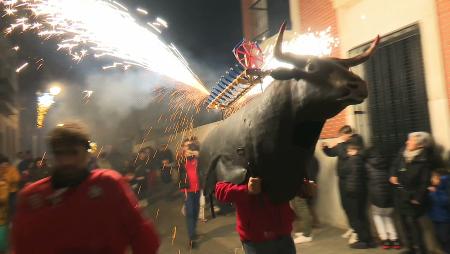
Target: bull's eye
{"x": 312, "y": 67}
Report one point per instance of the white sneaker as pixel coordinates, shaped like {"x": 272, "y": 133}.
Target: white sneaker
{"x": 353, "y": 238}
{"x": 348, "y": 233}
{"x": 302, "y": 239}
{"x": 298, "y": 234}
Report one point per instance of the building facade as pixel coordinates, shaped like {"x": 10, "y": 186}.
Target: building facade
{"x": 409, "y": 75}
{"x": 9, "y": 112}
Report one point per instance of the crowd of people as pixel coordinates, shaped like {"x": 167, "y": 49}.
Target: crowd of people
{"x": 414, "y": 184}
{"x": 81, "y": 184}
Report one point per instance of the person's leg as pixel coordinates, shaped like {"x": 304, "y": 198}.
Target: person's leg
{"x": 305, "y": 216}
{"x": 190, "y": 217}
{"x": 268, "y": 247}
{"x": 414, "y": 234}
{"x": 286, "y": 246}
{"x": 389, "y": 224}
{"x": 379, "y": 223}
{"x": 365, "y": 235}
{"x": 196, "y": 209}
{"x": 443, "y": 235}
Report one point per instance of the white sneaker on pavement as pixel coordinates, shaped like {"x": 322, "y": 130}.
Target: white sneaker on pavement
{"x": 298, "y": 234}
{"x": 353, "y": 238}
{"x": 347, "y": 233}
{"x": 302, "y": 239}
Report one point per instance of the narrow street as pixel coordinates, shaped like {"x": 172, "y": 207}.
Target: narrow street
{"x": 219, "y": 236}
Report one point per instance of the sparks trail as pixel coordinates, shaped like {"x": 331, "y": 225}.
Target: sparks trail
{"x": 80, "y": 33}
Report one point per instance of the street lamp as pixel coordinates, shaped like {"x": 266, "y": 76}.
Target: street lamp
{"x": 55, "y": 90}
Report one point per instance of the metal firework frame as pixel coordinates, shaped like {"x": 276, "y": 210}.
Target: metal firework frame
{"x": 240, "y": 79}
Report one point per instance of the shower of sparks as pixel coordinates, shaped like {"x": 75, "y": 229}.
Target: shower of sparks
{"x": 45, "y": 101}
{"x": 157, "y": 214}
{"x": 174, "y": 235}
{"x": 21, "y": 67}
{"x": 162, "y": 22}
{"x": 142, "y": 11}
{"x": 99, "y": 152}
{"x": 87, "y": 95}
{"x": 99, "y": 28}
{"x": 311, "y": 43}
{"x": 43, "y": 157}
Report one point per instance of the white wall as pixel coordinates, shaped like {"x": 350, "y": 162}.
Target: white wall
{"x": 359, "y": 21}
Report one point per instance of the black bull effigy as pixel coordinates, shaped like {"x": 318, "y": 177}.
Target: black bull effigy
{"x": 274, "y": 136}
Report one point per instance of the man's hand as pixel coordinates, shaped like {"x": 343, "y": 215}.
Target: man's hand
{"x": 394, "y": 180}
{"x": 254, "y": 185}
{"x": 432, "y": 189}
{"x": 415, "y": 202}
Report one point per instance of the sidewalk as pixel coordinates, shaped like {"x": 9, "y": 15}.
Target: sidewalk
{"x": 218, "y": 235}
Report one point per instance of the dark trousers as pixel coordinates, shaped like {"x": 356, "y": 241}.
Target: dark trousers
{"x": 443, "y": 235}
{"x": 192, "y": 206}
{"x": 344, "y": 199}
{"x": 359, "y": 220}
{"x": 413, "y": 233}
{"x": 282, "y": 245}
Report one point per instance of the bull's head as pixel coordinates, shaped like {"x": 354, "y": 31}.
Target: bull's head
{"x": 332, "y": 78}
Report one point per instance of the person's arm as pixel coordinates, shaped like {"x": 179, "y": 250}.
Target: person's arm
{"x": 393, "y": 179}
{"x": 424, "y": 181}
{"x": 228, "y": 192}
{"x": 141, "y": 233}
{"x": 330, "y": 151}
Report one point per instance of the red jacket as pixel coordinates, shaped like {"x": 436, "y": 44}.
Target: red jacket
{"x": 258, "y": 219}
{"x": 101, "y": 215}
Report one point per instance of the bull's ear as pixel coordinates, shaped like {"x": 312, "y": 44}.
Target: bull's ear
{"x": 286, "y": 74}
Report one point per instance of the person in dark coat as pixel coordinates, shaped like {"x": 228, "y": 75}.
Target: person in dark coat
{"x": 439, "y": 213}
{"x": 381, "y": 199}
{"x": 339, "y": 150}
{"x": 356, "y": 192}
{"x": 411, "y": 174}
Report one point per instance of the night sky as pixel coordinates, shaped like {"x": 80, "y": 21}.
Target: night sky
{"x": 204, "y": 31}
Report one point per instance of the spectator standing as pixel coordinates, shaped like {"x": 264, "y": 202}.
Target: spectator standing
{"x": 381, "y": 199}
{"x": 411, "y": 174}
{"x": 439, "y": 213}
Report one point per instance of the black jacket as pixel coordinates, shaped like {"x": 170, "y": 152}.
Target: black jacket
{"x": 380, "y": 190}
{"x": 340, "y": 150}
{"x": 414, "y": 179}
{"x": 356, "y": 181}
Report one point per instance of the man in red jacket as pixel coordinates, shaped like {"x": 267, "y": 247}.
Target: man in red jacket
{"x": 263, "y": 227}
{"x": 76, "y": 211}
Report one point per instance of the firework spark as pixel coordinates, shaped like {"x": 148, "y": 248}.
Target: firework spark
{"x": 99, "y": 28}
{"x": 45, "y": 101}
{"x": 174, "y": 234}
{"x": 311, "y": 43}
{"x": 21, "y": 67}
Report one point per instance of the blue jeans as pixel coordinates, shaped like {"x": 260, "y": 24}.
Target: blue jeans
{"x": 192, "y": 206}
{"x": 282, "y": 245}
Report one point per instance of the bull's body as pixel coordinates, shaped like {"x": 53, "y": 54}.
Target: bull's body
{"x": 274, "y": 136}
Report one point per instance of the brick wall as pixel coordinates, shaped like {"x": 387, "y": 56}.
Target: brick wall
{"x": 443, "y": 13}
{"x": 318, "y": 15}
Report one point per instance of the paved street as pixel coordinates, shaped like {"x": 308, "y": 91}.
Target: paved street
{"x": 218, "y": 235}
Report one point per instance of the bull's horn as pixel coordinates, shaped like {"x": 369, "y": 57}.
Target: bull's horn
{"x": 361, "y": 58}
{"x": 296, "y": 60}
